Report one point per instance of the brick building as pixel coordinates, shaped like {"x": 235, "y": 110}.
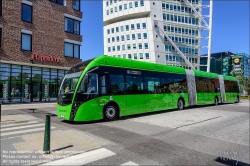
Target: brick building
{"x": 39, "y": 41}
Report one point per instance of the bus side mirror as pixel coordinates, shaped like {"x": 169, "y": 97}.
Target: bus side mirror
{"x": 86, "y": 79}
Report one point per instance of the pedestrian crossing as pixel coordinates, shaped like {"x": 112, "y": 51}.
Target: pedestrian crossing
{"x": 87, "y": 158}
{"x": 21, "y": 128}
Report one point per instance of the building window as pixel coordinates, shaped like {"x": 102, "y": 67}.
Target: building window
{"x": 127, "y": 27}
{"x": 120, "y": 8}
{"x": 145, "y": 35}
{"x": 72, "y": 50}
{"x": 117, "y": 38}
{"x": 26, "y": 13}
{"x": 60, "y": 2}
{"x": 115, "y": 9}
{"x": 142, "y": 2}
{"x": 107, "y": 12}
{"x": 123, "y": 47}
{"x": 76, "y": 4}
{"x": 134, "y": 46}
{"x": 133, "y": 36}
{"x": 128, "y": 46}
{"x": 26, "y": 42}
{"x": 109, "y": 49}
{"x": 144, "y": 25}
{"x": 125, "y": 6}
{"x": 147, "y": 55}
{"x": 117, "y": 29}
{"x": 122, "y": 29}
{"x": 108, "y": 31}
{"x": 139, "y": 36}
{"x": 138, "y": 26}
{"x": 72, "y": 26}
{"x": 128, "y": 37}
{"x": 135, "y": 55}
{"x": 122, "y": 37}
{"x": 129, "y": 56}
{"x": 130, "y": 5}
{"x": 107, "y": 3}
{"x": 0, "y": 7}
{"x": 113, "y": 39}
{"x": 108, "y": 40}
{"x": 132, "y": 26}
{"x": 140, "y": 46}
{"x": 113, "y": 48}
{"x": 0, "y": 36}
{"x": 141, "y": 55}
{"x": 124, "y": 56}
{"x": 146, "y": 45}
{"x": 136, "y": 4}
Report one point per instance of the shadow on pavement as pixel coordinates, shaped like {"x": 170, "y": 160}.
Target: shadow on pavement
{"x": 69, "y": 146}
{"x": 230, "y": 162}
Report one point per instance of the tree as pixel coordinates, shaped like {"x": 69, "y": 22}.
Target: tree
{"x": 241, "y": 79}
{"x": 233, "y": 74}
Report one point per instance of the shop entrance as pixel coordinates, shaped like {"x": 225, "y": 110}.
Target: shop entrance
{"x": 36, "y": 91}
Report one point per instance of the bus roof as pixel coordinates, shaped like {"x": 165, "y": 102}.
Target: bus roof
{"x": 139, "y": 65}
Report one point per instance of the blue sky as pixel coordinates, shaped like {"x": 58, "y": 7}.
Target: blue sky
{"x": 230, "y": 27}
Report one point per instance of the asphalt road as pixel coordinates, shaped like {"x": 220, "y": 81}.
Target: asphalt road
{"x": 207, "y": 135}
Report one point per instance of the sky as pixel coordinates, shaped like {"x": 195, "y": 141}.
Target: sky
{"x": 230, "y": 27}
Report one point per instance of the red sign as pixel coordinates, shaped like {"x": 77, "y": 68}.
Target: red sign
{"x": 45, "y": 58}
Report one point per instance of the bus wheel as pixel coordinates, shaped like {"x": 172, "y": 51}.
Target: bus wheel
{"x": 180, "y": 104}
{"x": 110, "y": 112}
{"x": 215, "y": 101}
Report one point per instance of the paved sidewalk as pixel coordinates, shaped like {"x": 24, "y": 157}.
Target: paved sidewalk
{"x": 22, "y": 138}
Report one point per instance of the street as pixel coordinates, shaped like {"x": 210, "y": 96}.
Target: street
{"x": 204, "y": 135}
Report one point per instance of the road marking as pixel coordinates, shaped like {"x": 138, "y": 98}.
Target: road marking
{"x": 23, "y": 131}
{"x": 130, "y": 163}
{"x": 21, "y": 127}
{"x": 83, "y": 158}
{"x": 18, "y": 124}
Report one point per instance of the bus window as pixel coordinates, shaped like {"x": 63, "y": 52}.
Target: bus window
{"x": 102, "y": 82}
{"x": 165, "y": 84}
{"x": 200, "y": 84}
{"x": 116, "y": 84}
{"x": 210, "y": 85}
{"x": 216, "y": 83}
{"x": 134, "y": 85}
{"x": 152, "y": 85}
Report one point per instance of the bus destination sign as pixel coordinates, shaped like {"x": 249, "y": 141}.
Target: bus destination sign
{"x": 134, "y": 72}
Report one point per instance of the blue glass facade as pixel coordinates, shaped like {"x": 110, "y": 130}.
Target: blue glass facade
{"x": 227, "y": 62}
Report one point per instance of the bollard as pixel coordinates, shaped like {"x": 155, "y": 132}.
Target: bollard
{"x": 46, "y": 143}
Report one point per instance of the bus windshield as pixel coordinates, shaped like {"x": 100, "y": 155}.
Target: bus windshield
{"x": 67, "y": 88}
{"x": 69, "y": 83}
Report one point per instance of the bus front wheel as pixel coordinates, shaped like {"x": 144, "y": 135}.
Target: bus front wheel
{"x": 180, "y": 104}
{"x": 110, "y": 112}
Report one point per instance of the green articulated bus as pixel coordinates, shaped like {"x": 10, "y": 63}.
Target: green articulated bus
{"x": 107, "y": 88}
